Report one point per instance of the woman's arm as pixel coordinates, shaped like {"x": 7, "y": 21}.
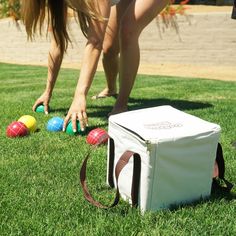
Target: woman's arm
{"x": 91, "y": 56}
{"x": 54, "y": 63}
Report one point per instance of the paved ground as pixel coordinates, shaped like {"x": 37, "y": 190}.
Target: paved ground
{"x": 205, "y": 46}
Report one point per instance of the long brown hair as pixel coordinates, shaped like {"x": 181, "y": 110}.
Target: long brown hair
{"x": 85, "y": 10}
{"x": 34, "y": 13}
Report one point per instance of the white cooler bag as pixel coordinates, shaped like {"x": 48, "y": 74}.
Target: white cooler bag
{"x": 176, "y": 152}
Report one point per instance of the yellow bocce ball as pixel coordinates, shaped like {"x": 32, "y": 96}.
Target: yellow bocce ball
{"x": 30, "y": 122}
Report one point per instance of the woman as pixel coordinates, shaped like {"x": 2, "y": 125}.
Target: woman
{"x": 110, "y": 58}
{"x": 92, "y": 17}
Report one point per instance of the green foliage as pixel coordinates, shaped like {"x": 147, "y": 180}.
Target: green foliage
{"x": 39, "y": 174}
{"x": 10, "y": 8}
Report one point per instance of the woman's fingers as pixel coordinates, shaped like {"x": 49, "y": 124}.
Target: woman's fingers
{"x": 34, "y": 107}
{"x": 74, "y": 117}
{"x": 46, "y": 108}
{"x": 83, "y": 120}
{"x": 37, "y": 103}
{"x": 74, "y": 120}
{"x": 66, "y": 121}
{"x": 44, "y": 100}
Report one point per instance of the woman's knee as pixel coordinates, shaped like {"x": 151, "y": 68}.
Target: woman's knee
{"x": 96, "y": 42}
{"x": 110, "y": 49}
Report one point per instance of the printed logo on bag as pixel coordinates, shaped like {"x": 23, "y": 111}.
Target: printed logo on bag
{"x": 162, "y": 125}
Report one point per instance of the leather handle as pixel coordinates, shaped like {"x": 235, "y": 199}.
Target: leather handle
{"x": 122, "y": 162}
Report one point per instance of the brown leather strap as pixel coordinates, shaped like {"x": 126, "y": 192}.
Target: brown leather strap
{"x": 122, "y": 162}
{"x": 111, "y": 158}
{"x": 219, "y": 171}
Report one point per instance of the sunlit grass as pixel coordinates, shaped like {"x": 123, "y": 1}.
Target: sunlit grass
{"x": 39, "y": 174}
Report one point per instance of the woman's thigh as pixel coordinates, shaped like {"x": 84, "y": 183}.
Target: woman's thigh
{"x": 140, "y": 13}
{"x": 111, "y": 39}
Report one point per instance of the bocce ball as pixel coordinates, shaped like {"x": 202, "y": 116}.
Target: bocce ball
{"x": 40, "y": 108}
{"x": 16, "y": 129}
{"x": 29, "y": 121}
{"x": 69, "y": 129}
{"x": 55, "y": 124}
{"x": 97, "y": 136}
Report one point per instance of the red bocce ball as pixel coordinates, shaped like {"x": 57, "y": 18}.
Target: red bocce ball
{"x": 16, "y": 129}
{"x": 97, "y": 136}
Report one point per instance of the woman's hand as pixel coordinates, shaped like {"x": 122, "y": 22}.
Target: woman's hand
{"x": 77, "y": 111}
{"x": 43, "y": 99}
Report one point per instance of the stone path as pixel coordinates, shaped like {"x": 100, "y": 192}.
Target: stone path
{"x": 205, "y": 46}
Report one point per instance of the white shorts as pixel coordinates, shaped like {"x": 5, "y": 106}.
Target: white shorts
{"x": 114, "y": 2}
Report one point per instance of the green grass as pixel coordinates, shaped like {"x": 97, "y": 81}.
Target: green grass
{"x": 40, "y": 192}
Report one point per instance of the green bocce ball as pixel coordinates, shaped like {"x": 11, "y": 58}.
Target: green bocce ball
{"x": 40, "y": 109}
{"x": 69, "y": 129}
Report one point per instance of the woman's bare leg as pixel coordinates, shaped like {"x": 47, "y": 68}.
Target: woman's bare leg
{"x": 111, "y": 49}
{"x": 138, "y": 15}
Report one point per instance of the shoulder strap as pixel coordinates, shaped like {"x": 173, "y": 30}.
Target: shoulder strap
{"x": 220, "y": 161}
{"x": 221, "y": 171}
{"x": 122, "y": 162}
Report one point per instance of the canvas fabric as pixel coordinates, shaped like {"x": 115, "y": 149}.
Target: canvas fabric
{"x": 177, "y": 152}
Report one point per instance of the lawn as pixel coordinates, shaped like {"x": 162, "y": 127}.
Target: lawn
{"x": 40, "y": 193}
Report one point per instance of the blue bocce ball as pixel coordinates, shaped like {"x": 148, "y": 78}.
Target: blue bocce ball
{"x": 55, "y": 124}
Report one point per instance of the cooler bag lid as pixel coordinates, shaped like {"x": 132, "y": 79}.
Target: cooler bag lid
{"x": 163, "y": 123}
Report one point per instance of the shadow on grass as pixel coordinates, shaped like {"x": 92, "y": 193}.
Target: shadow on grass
{"x": 213, "y": 198}
{"x": 102, "y": 111}
{"x": 125, "y": 208}
{"x": 59, "y": 110}
{"x": 136, "y": 103}
{"x": 228, "y": 196}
